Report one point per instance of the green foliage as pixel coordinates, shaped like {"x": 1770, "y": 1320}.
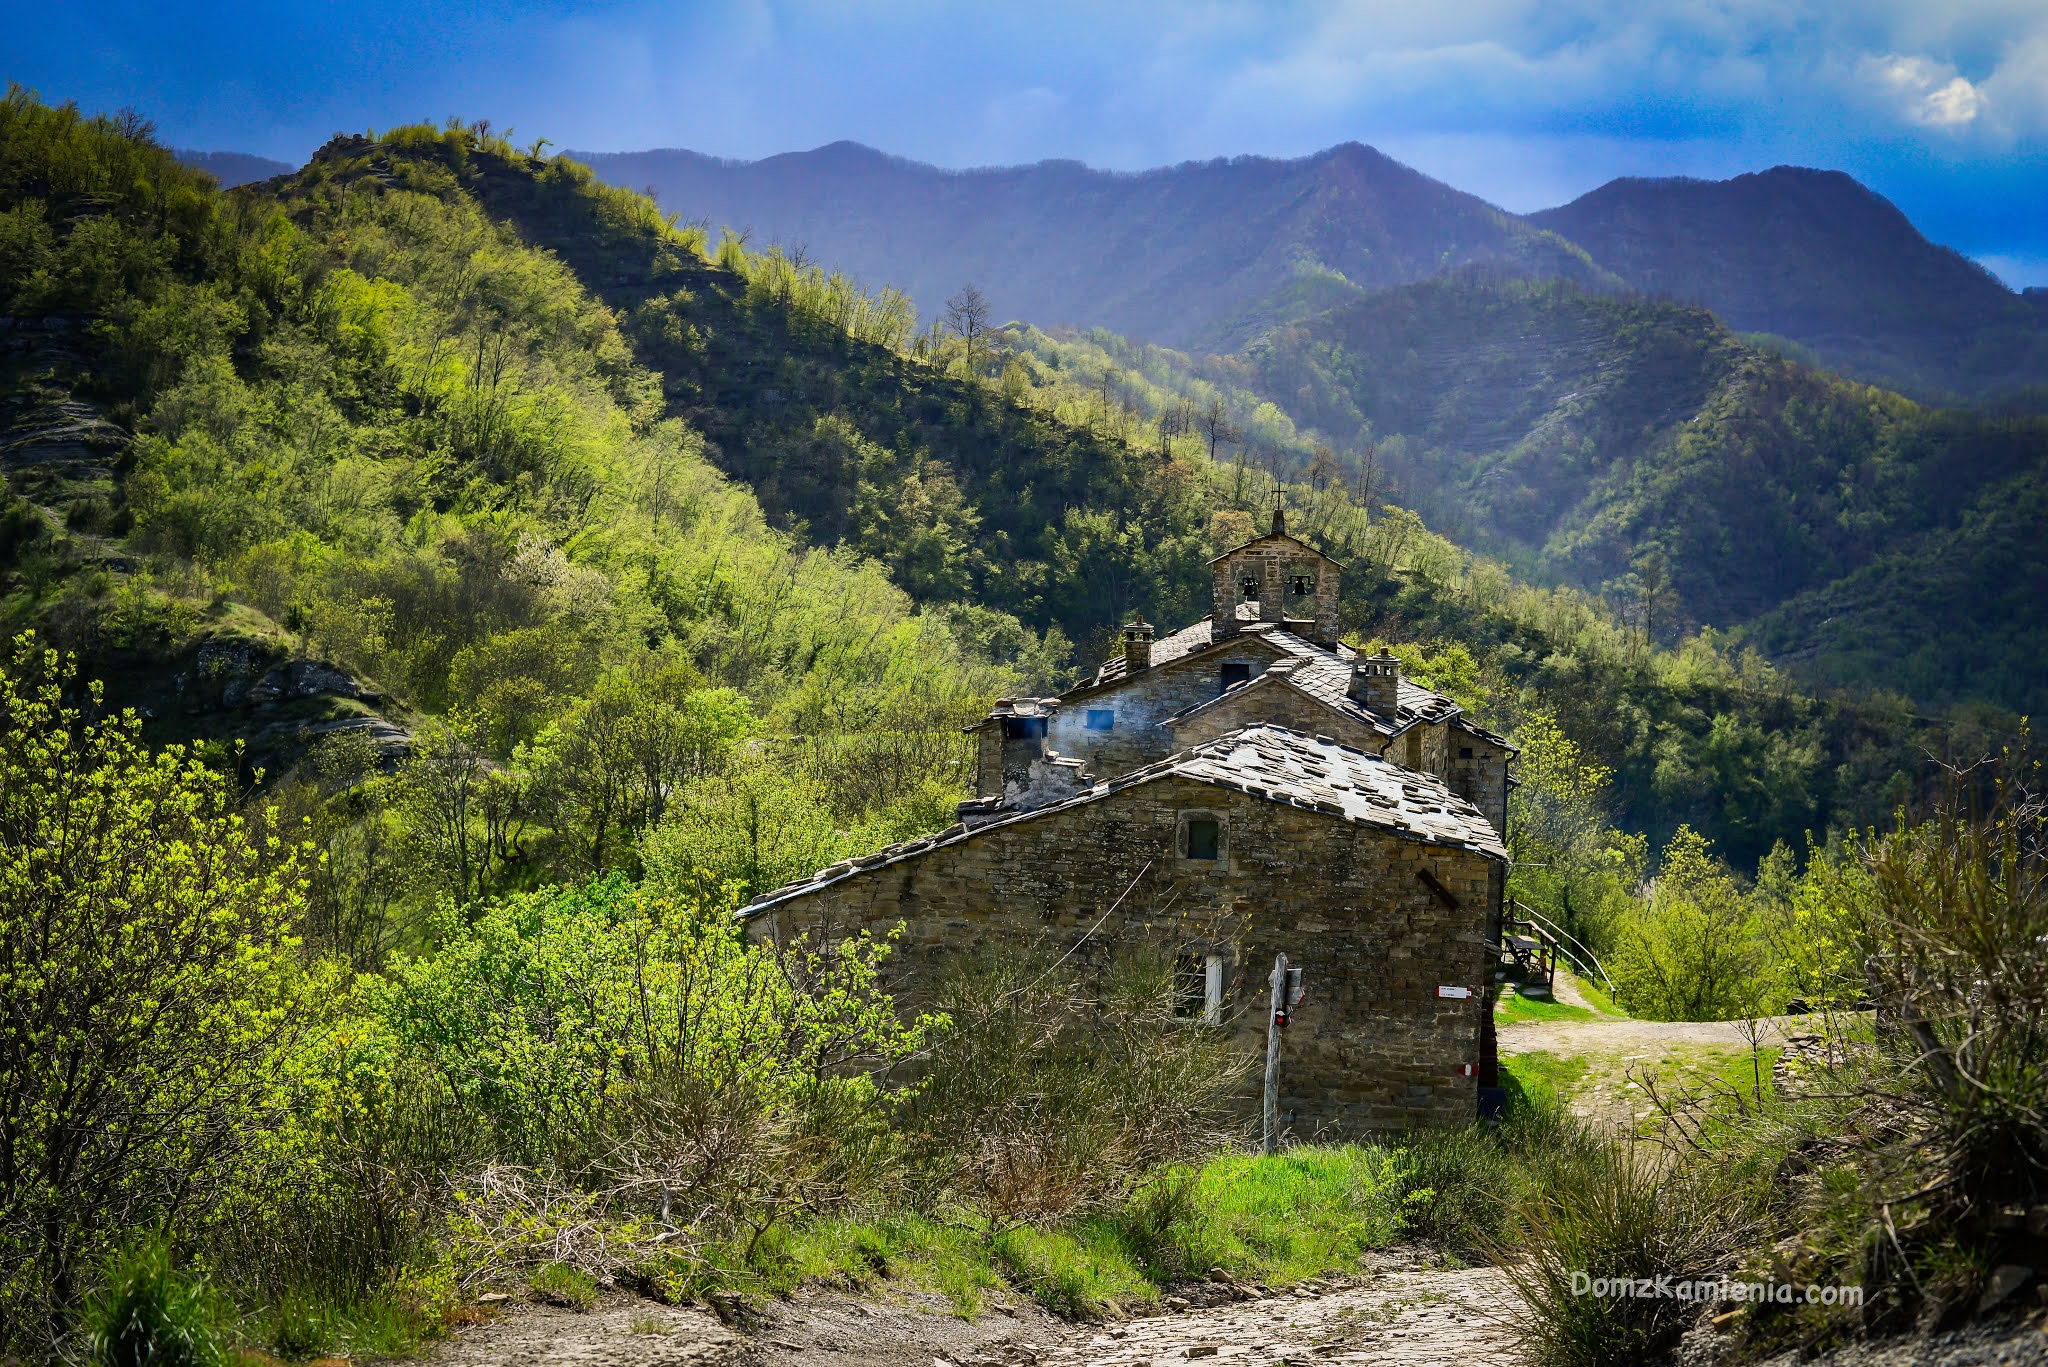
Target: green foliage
{"x": 1276, "y": 1219}
{"x": 148, "y": 1314}
{"x": 620, "y": 1035}
{"x": 1074, "y": 1086}
{"x": 1614, "y": 1212}
{"x": 560, "y": 1284}
{"x": 1696, "y": 951}
{"x": 150, "y": 981}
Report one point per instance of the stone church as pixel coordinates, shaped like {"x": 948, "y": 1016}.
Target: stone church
{"x": 1245, "y": 786}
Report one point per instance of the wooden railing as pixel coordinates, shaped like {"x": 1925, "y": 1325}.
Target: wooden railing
{"x": 1535, "y": 946}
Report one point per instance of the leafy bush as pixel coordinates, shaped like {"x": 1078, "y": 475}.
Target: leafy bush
{"x": 642, "y": 1046}
{"x": 1696, "y": 951}
{"x": 149, "y": 989}
{"x": 1616, "y": 1212}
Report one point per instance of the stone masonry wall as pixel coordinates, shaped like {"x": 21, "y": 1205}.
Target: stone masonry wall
{"x": 1280, "y": 705}
{"x": 1271, "y": 561}
{"x": 1476, "y": 770}
{"x": 1141, "y": 702}
{"x": 1372, "y": 1048}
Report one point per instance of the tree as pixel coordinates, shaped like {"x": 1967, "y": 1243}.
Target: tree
{"x": 1216, "y": 427}
{"x": 149, "y": 984}
{"x": 967, "y": 314}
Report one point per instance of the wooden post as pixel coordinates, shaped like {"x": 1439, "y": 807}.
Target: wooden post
{"x": 1273, "y": 1053}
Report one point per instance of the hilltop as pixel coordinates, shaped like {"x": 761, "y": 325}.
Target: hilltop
{"x": 1186, "y": 255}
{"x": 1818, "y": 258}
{"x": 1209, "y": 255}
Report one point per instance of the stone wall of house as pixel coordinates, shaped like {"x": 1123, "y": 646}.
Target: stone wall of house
{"x": 1275, "y": 702}
{"x": 1476, "y": 769}
{"x": 1141, "y": 702}
{"x": 1374, "y": 1046}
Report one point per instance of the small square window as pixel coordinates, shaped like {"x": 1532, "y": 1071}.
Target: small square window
{"x": 1464, "y": 752}
{"x": 1101, "y": 719}
{"x": 1204, "y": 837}
{"x": 1235, "y": 673}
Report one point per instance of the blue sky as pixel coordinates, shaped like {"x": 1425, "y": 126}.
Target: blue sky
{"x": 1940, "y": 105}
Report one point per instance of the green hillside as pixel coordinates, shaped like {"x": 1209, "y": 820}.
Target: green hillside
{"x": 439, "y": 449}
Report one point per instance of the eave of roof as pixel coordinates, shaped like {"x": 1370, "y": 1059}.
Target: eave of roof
{"x": 1380, "y": 803}
{"x": 1277, "y": 536}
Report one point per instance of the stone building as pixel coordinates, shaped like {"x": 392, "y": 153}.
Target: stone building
{"x": 1243, "y": 787}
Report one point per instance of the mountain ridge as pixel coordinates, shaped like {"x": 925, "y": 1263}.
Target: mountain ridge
{"x": 1055, "y": 242}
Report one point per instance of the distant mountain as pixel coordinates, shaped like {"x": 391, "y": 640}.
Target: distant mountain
{"x": 233, "y": 168}
{"x": 1208, "y": 255}
{"x": 1816, "y": 257}
{"x": 1198, "y": 255}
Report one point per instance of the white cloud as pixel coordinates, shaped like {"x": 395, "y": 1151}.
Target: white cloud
{"x": 1928, "y": 92}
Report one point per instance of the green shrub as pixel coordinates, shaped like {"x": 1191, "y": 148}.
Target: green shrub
{"x": 1052, "y": 1092}
{"x": 147, "y": 1314}
{"x": 1610, "y": 1212}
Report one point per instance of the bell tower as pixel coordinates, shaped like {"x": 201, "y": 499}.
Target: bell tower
{"x": 1281, "y": 579}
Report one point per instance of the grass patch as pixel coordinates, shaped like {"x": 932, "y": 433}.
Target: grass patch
{"x": 310, "y": 1324}
{"x": 560, "y": 1284}
{"x": 1083, "y": 1272}
{"x": 1602, "y": 1003}
{"x": 1298, "y": 1215}
{"x": 1540, "y": 1077}
{"x": 1277, "y": 1220}
{"x": 1518, "y": 1008}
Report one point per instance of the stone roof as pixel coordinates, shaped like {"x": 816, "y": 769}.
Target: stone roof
{"x": 1304, "y": 677}
{"x": 1323, "y": 674}
{"x": 1274, "y": 763}
{"x": 1278, "y": 535}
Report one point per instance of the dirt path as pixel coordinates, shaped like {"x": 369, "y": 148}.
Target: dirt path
{"x": 1621, "y": 1035}
{"x": 1400, "y": 1312}
{"x": 1401, "y": 1316}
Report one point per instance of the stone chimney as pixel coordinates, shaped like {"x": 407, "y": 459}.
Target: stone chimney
{"x": 1137, "y": 646}
{"x": 1376, "y": 683}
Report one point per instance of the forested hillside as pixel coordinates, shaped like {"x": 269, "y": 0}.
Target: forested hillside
{"x": 1642, "y": 450}
{"x": 1816, "y": 257}
{"x": 1206, "y": 253}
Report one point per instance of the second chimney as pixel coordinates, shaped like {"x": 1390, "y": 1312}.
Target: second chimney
{"x": 1376, "y": 683}
{"x": 1137, "y": 646}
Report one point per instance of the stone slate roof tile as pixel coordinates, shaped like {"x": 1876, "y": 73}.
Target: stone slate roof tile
{"x": 1275, "y": 763}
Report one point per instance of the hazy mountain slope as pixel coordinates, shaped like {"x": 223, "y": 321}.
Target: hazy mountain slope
{"x": 1176, "y": 255}
{"x": 1600, "y": 437}
{"x": 233, "y": 168}
{"x": 1819, "y": 258}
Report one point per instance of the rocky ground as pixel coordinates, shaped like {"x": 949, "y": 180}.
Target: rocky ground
{"x": 1403, "y": 1311}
